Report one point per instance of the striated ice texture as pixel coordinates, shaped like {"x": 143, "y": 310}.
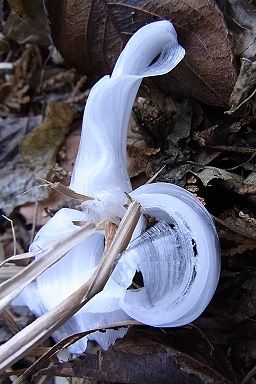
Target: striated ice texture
{"x": 178, "y": 258}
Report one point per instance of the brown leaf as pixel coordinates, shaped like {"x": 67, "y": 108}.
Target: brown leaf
{"x": 240, "y": 16}
{"x": 15, "y": 176}
{"x": 20, "y": 173}
{"x": 237, "y": 229}
{"x": 244, "y": 88}
{"x": 139, "y": 153}
{"x": 137, "y": 359}
{"x": 91, "y": 34}
{"x": 39, "y": 148}
{"x": 15, "y": 92}
{"x": 28, "y": 22}
{"x": 229, "y": 180}
{"x": 236, "y": 301}
{"x": 36, "y": 213}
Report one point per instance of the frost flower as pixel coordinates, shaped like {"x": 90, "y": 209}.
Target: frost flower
{"x": 178, "y": 257}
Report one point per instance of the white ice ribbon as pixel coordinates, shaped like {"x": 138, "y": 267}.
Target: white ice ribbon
{"x": 178, "y": 258}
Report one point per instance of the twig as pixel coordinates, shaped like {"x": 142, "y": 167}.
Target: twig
{"x": 42, "y": 327}
{"x": 34, "y": 222}
{"x": 13, "y": 235}
{"x": 242, "y": 164}
{"x": 236, "y": 149}
{"x": 21, "y": 256}
{"x": 155, "y": 175}
{"x": 249, "y": 375}
{"x": 8, "y": 272}
{"x": 241, "y": 104}
{"x": 12, "y": 287}
{"x": 10, "y": 320}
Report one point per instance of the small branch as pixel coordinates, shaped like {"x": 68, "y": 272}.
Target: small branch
{"x": 13, "y": 235}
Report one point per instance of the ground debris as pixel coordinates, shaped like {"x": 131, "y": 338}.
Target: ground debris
{"x": 179, "y": 127}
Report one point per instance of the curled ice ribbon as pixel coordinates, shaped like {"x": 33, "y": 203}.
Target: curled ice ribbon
{"x": 178, "y": 258}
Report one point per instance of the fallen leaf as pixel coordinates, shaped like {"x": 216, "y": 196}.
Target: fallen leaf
{"x": 240, "y": 223}
{"x": 240, "y": 16}
{"x": 39, "y": 148}
{"x": 36, "y": 213}
{"x": 238, "y": 230}
{"x": 244, "y": 88}
{"x": 137, "y": 359}
{"x": 229, "y": 180}
{"x": 237, "y": 302}
{"x": 139, "y": 153}
{"x": 91, "y": 34}
{"x": 208, "y": 174}
{"x": 20, "y": 173}
{"x": 15, "y": 92}
{"x": 15, "y": 177}
{"x": 166, "y": 122}
{"x": 28, "y": 22}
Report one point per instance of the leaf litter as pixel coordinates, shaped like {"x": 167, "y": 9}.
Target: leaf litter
{"x": 178, "y": 123}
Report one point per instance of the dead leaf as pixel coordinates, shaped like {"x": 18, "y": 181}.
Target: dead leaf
{"x": 28, "y": 22}
{"x": 91, "y": 34}
{"x": 139, "y": 153}
{"x": 21, "y": 174}
{"x": 237, "y": 302}
{"x": 39, "y": 148}
{"x": 15, "y": 176}
{"x": 208, "y": 174}
{"x": 240, "y": 16}
{"x": 244, "y": 88}
{"x": 229, "y": 180}
{"x": 166, "y": 122}
{"x": 15, "y": 92}
{"x": 137, "y": 359}
{"x": 237, "y": 229}
{"x": 239, "y": 222}
{"x": 36, "y": 213}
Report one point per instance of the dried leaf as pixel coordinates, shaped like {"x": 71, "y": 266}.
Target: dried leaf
{"x": 137, "y": 359}
{"x": 36, "y": 213}
{"x": 229, "y": 180}
{"x": 15, "y": 176}
{"x": 91, "y": 34}
{"x": 51, "y": 352}
{"x": 244, "y": 88}
{"x": 23, "y": 256}
{"x": 39, "y": 148}
{"x": 241, "y": 224}
{"x": 237, "y": 302}
{"x": 166, "y": 121}
{"x": 139, "y": 153}
{"x": 240, "y": 16}
{"x": 15, "y": 92}
{"x": 28, "y": 22}
{"x": 208, "y": 174}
